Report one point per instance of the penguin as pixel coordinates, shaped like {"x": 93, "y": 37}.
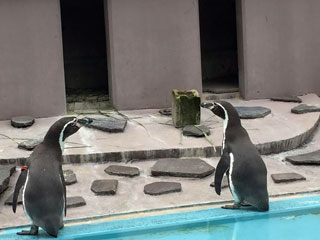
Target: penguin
{"x": 240, "y": 160}
{"x": 44, "y": 193}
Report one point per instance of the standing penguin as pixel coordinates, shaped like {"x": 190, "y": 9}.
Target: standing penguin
{"x": 240, "y": 160}
{"x": 44, "y": 193}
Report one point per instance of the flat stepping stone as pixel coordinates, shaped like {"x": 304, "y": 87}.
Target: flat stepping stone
{"x": 5, "y": 173}
{"x": 22, "y": 121}
{"x": 252, "y": 112}
{"x": 159, "y": 188}
{"x": 287, "y": 177}
{"x": 166, "y": 111}
{"x": 305, "y": 108}
{"x": 105, "y": 187}
{"x": 312, "y": 158}
{"x": 122, "y": 171}
{"x": 69, "y": 177}
{"x": 287, "y": 99}
{"x": 10, "y": 198}
{"x": 107, "y": 124}
{"x": 195, "y": 131}
{"x": 224, "y": 183}
{"x": 74, "y": 202}
{"x": 29, "y": 145}
{"x": 189, "y": 167}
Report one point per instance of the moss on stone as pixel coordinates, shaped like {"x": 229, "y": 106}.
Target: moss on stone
{"x": 185, "y": 108}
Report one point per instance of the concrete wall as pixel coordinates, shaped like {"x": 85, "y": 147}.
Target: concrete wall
{"x": 154, "y": 46}
{"x": 280, "y": 47}
{"x": 31, "y": 61}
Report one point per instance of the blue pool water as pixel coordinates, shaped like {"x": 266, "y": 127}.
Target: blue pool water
{"x": 287, "y": 219}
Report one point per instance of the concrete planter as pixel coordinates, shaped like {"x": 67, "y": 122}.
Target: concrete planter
{"x": 185, "y": 108}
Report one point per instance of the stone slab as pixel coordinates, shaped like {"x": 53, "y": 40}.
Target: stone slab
{"x": 166, "y": 111}
{"x": 107, "y": 124}
{"x": 159, "y": 188}
{"x": 287, "y": 99}
{"x": 104, "y": 187}
{"x": 125, "y": 171}
{"x": 252, "y": 112}
{"x": 188, "y": 167}
{"x": 69, "y": 177}
{"x": 22, "y": 121}
{"x": 74, "y": 202}
{"x": 312, "y": 158}
{"x": 195, "y": 131}
{"x": 10, "y": 199}
{"x": 305, "y": 108}
{"x": 29, "y": 145}
{"x": 224, "y": 183}
{"x": 287, "y": 177}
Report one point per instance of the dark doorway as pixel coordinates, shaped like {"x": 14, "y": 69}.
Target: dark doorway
{"x": 84, "y": 50}
{"x": 218, "y": 34}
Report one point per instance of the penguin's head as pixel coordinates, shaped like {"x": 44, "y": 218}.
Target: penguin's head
{"x": 61, "y": 129}
{"x": 71, "y": 126}
{"x": 216, "y": 108}
{"x": 224, "y": 110}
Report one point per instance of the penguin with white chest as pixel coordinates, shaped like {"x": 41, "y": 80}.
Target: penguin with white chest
{"x": 240, "y": 160}
{"x": 44, "y": 193}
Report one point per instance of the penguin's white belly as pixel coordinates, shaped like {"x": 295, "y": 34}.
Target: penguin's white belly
{"x": 23, "y": 199}
{"x": 232, "y": 188}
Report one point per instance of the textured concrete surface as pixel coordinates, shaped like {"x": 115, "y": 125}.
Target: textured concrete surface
{"x": 149, "y": 135}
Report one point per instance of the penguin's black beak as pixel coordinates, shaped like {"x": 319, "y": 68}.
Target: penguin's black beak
{"x": 84, "y": 121}
{"x": 206, "y": 105}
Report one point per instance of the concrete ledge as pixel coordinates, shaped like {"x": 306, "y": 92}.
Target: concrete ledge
{"x": 278, "y": 132}
{"x": 203, "y": 152}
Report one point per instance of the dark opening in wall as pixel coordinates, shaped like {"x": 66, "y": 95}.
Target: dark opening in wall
{"x": 84, "y": 48}
{"x": 218, "y": 34}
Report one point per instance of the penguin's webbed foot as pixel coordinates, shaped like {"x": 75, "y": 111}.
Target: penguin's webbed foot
{"x": 233, "y": 206}
{"x": 33, "y": 231}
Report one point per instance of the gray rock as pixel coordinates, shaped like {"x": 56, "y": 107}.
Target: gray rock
{"x": 22, "y": 121}
{"x": 69, "y": 177}
{"x": 107, "y": 124}
{"x": 166, "y": 111}
{"x": 312, "y": 158}
{"x": 73, "y": 202}
{"x": 189, "y": 167}
{"x": 159, "y": 188}
{"x": 287, "y": 177}
{"x": 305, "y": 108}
{"x": 195, "y": 131}
{"x": 104, "y": 187}
{"x": 252, "y": 112}
{"x": 122, "y": 171}
{"x": 30, "y": 144}
{"x": 224, "y": 183}
{"x": 287, "y": 99}
{"x": 10, "y": 199}
{"x": 5, "y": 173}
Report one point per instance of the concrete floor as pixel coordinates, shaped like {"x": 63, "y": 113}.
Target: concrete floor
{"x": 130, "y": 197}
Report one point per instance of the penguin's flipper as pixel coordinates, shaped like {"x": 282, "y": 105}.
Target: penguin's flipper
{"x": 64, "y": 191}
{"x": 20, "y": 182}
{"x": 222, "y": 167}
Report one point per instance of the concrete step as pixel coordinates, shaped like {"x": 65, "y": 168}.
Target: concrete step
{"x": 219, "y": 96}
